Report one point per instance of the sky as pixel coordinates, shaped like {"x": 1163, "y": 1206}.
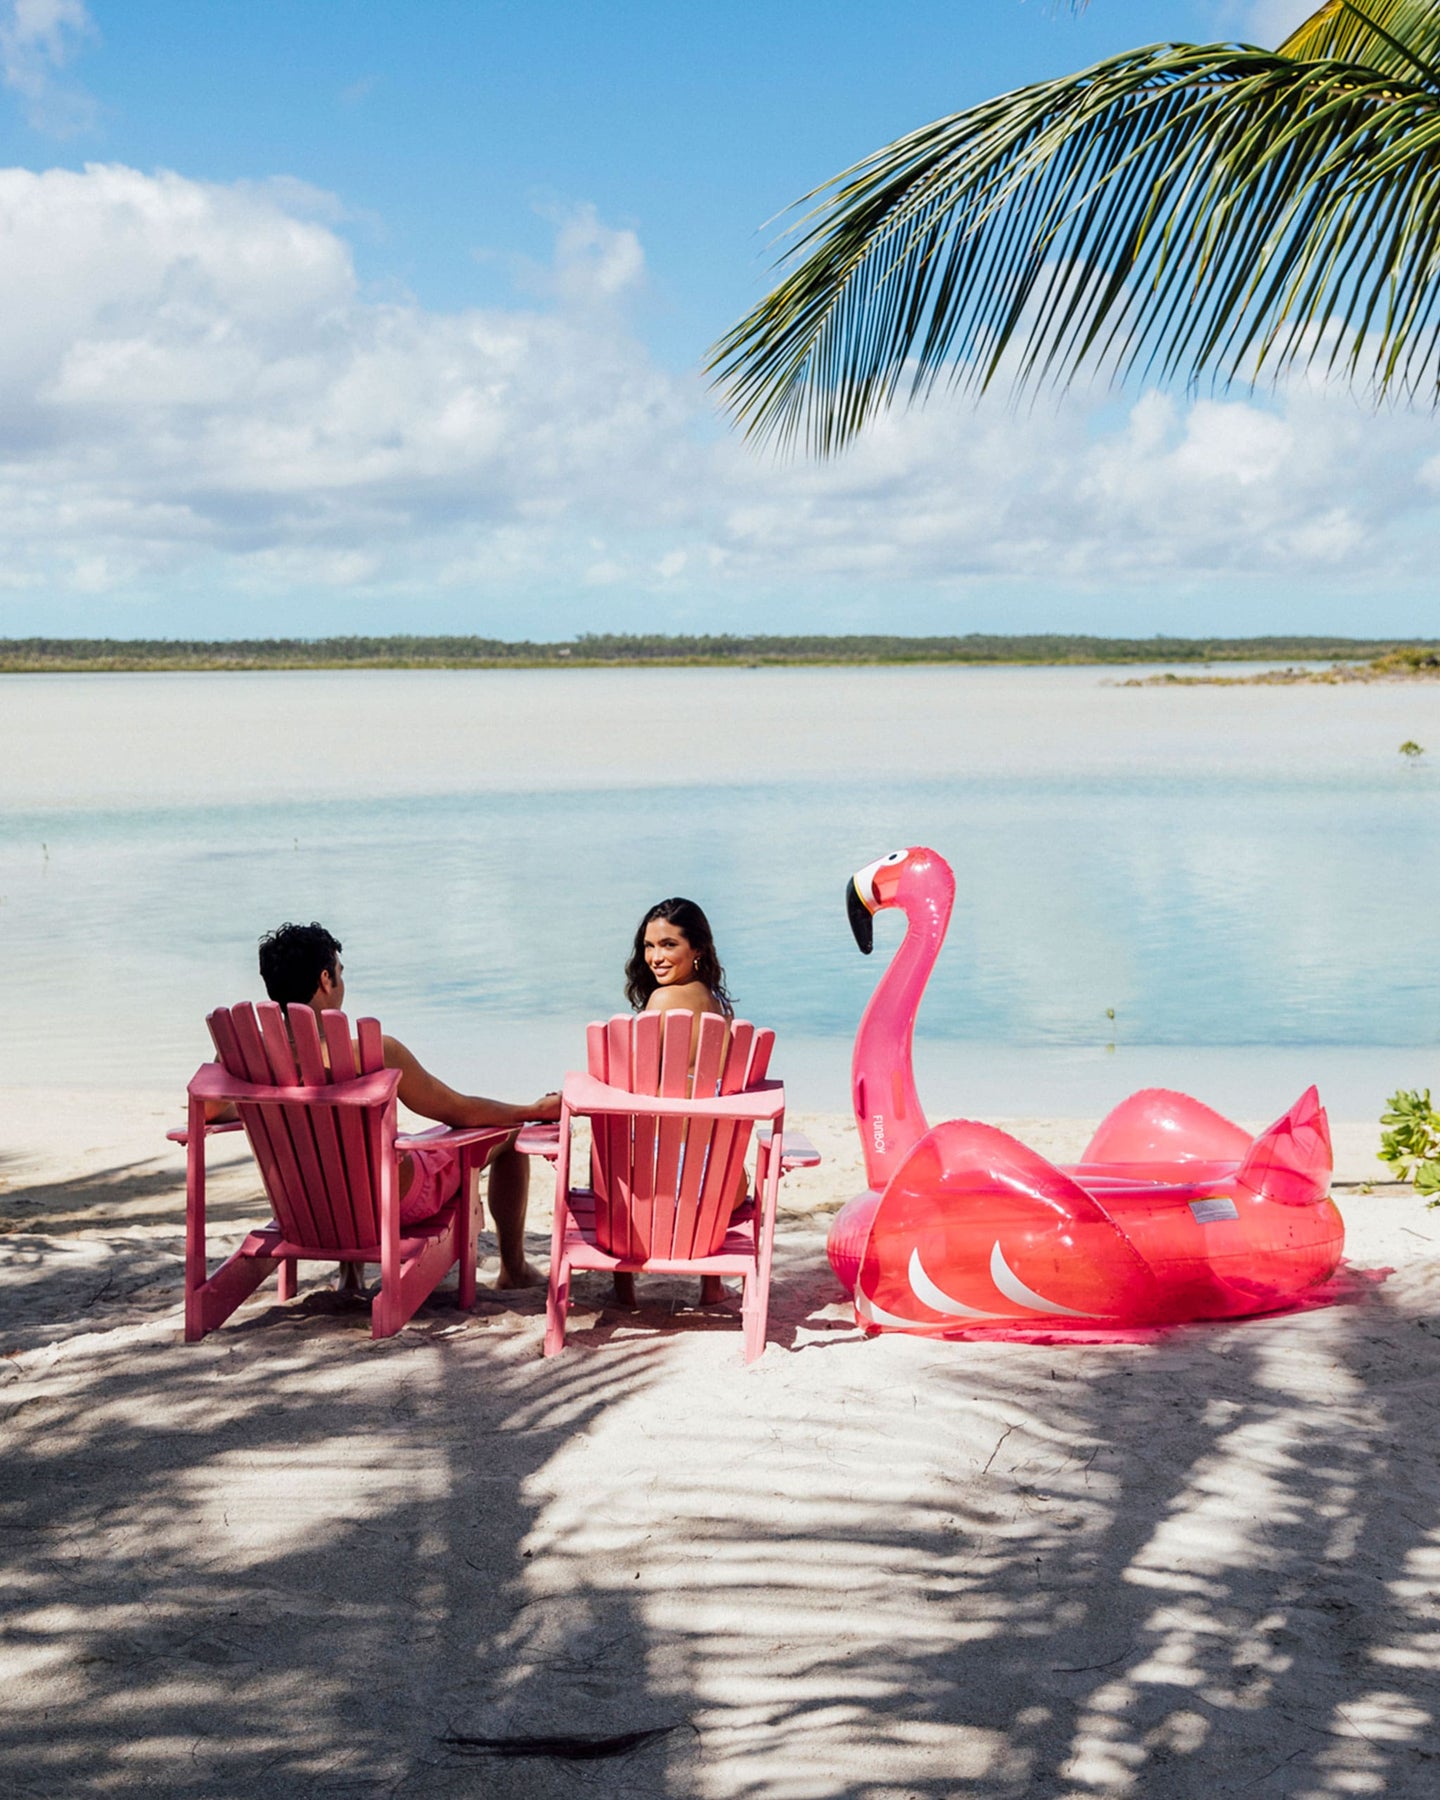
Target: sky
{"x": 374, "y": 316}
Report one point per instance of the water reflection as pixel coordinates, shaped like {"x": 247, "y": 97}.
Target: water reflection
{"x": 1227, "y": 867}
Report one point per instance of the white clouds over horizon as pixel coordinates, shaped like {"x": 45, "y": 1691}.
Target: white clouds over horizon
{"x": 197, "y": 396}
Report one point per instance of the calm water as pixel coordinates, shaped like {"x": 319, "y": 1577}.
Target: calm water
{"x": 1246, "y": 876}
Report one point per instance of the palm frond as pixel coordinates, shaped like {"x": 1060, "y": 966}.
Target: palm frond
{"x": 1393, "y": 37}
{"x": 1177, "y": 210}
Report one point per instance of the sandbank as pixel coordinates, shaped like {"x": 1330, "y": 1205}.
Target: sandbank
{"x": 292, "y": 1561}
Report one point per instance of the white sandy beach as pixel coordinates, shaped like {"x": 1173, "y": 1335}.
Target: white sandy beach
{"x": 290, "y": 1561}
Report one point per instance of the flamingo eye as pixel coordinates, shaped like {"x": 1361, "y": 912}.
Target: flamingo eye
{"x": 895, "y": 856}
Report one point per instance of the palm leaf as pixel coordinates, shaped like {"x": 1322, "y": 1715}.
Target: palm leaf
{"x": 1176, "y": 211}
{"x": 1399, "y": 37}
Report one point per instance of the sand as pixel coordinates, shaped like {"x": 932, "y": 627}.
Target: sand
{"x": 291, "y": 1561}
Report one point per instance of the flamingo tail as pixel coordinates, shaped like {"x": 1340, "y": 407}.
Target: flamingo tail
{"x": 1292, "y": 1162}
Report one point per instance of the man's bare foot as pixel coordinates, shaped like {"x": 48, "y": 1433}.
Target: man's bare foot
{"x": 624, "y": 1289}
{"x": 712, "y": 1290}
{"x": 526, "y": 1276}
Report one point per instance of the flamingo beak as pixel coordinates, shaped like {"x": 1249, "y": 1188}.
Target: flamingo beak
{"x": 861, "y": 921}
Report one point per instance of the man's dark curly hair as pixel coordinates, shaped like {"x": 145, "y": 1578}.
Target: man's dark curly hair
{"x": 292, "y": 960}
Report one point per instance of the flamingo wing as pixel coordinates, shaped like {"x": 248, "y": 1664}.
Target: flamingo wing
{"x": 1159, "y": 1130}
{"x": 976, "y": 1226}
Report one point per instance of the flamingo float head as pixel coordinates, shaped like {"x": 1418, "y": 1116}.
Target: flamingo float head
{"x": 918, "y": 882}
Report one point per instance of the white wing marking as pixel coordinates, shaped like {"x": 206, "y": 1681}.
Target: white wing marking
{"x": 1013, "y": 1288}
{"x": 926, "y": 1292}
{"x": 877, "y": 1315}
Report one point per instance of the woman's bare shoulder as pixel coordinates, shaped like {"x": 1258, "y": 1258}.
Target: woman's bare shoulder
{"x": 692, "y": 996}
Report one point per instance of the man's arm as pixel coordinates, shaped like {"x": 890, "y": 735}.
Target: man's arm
{"x": 427, "y": 1095}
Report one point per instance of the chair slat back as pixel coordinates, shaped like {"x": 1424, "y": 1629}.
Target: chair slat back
{"x": 666, "y": 1186}
{"x": 737, "y": 1058}
{"x": 372, "y": 1046}
{"x": 674, "y": 1084}
{"x": 320, "y": 1164}
{"x": 275, "y": 1157}
{"x": 322, "y": 1206}
{"x": 278, "y": 1049}
{"x": 361, "y": 1161}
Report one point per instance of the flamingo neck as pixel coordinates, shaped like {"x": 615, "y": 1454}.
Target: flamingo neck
{"x": 888, "y": 1113}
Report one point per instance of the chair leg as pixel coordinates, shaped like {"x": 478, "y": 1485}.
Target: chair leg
{"x": 385, "y": 1314}
{"x": 289, "y": 1282}
{"x": 211, "y": 1302}
{"x": 557, "y": 1305}
{"x": 755, "y": 1311}
{"x": 465, "y": 1216}
{"x": 416, "y": 1279}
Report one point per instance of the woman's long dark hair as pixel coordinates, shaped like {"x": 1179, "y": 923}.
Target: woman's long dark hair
{"x": 640, "y": 984}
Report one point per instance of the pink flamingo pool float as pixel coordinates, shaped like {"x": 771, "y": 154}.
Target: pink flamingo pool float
{"x": 1174, "y": 1213}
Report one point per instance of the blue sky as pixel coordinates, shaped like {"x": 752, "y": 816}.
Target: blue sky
{"x": 366, "y": 317}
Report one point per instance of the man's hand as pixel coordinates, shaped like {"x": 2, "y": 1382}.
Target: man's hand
{"x": 546, "y": 1108}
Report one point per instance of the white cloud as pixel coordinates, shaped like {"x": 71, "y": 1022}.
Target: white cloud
{"x": 38, "y": 39}
{"x": 1307, "y": 490}
{"x": 197, "y": 398}
{"x": 205, "y": 351}
{"x": 594, "y": 262}
{"x": 1270, "y": 22}
{"x": 1264, "y": 22}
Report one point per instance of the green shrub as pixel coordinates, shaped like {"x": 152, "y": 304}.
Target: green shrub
{"x": 1412, "y": 1144}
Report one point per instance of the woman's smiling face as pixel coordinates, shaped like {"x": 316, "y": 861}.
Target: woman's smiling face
{"x": 668, "y": 955}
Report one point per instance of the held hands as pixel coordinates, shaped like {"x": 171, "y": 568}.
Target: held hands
{"x": 546, "y": 1108}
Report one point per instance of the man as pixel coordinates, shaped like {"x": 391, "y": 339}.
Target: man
{"x": 300, "y": 966}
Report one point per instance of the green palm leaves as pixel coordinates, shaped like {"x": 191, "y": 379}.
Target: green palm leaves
{"x": 1393, "y": 37}
{"x": 1179, "y": 211}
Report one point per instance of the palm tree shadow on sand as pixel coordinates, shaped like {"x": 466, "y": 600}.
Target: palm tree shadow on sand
{"x": 290, "y": 1560}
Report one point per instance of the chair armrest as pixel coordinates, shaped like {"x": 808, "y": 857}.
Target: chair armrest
{"x": 212, "y": 1081}
{"x": 584, "y": 1094}
{"x": 541, "y": 1139}
{"x": 797, "y": 1152}
{"x": 181, "y": 1136}
{"x": 452, "y": 1137}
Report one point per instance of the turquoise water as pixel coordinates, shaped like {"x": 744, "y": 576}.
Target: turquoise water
{"x": 1246, "y": 870}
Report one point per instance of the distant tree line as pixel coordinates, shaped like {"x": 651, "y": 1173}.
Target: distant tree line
{"x": 39, "y": 655}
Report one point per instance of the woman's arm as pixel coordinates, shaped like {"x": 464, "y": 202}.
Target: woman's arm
{"x": 427, "y": 1095}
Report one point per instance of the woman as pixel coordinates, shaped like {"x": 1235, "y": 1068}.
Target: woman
{"x": 674, "y": 965}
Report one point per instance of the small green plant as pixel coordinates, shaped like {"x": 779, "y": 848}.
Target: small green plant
{"x": 1412, "y": 1144}
{"x": 1411, "y": 748}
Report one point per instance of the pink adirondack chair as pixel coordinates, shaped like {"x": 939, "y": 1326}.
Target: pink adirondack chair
{"x": 324, "y": 1135}
{"x": 666, "y": 1159}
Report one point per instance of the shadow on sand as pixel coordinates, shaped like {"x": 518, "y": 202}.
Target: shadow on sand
{"x": 290, "y": 1561}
